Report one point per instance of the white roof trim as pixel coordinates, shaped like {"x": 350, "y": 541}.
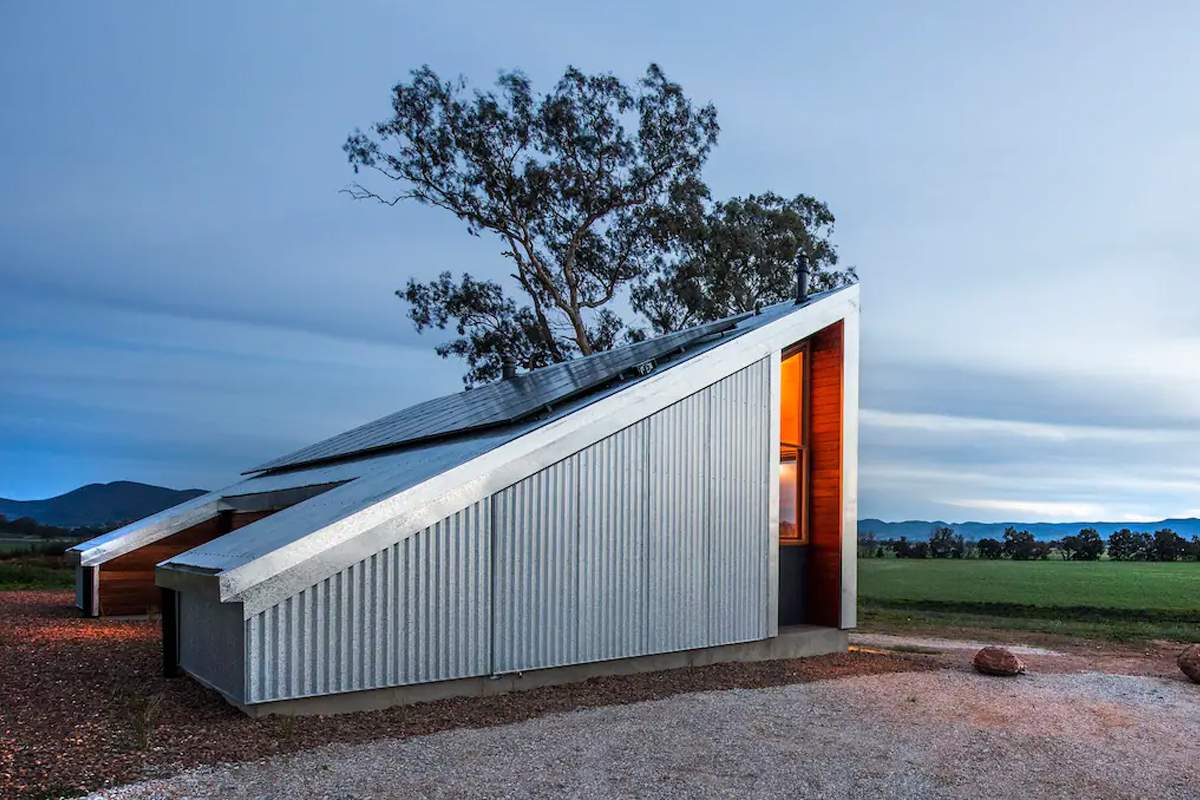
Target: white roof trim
{"x": 281, "y": 573}
{"x": 145, "y": 531}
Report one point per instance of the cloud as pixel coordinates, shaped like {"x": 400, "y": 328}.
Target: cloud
{"x": 955, "y": 425}
{"x": 195, "y": 295}
{"x": 1036, "y": 510}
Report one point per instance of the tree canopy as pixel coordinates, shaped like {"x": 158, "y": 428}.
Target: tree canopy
{"x": 594, "y": 191}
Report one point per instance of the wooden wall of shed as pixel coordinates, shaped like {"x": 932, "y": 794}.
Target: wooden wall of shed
{"x": 127, "y": 582}
{"x": 825, "y": 449}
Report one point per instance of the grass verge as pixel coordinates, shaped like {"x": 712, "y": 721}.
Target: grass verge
{"x": 893, "y": 617}
{"x": 19, "y": 574}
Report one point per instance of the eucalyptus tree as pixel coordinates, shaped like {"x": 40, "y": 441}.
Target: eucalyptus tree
{"x": 737, "y": 255}
{"x": 595, "y": 194}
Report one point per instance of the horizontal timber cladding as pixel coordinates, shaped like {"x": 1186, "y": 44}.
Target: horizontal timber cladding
{"x": 651, "y": 540}
{"x": 414, "y": 612}
{"x": 127, "y": 581}
{"x": 825, "y": 558}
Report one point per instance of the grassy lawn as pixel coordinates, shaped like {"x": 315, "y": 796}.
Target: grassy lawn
{"x": 1099, "y": 599}
{"x": 24, "y": 574}
{"x": 26, "y": 564}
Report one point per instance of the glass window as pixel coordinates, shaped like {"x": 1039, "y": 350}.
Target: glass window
{"x": 791, "y": 385}
{"x": 793, "y": 455}
{"x": 789, "y": 495}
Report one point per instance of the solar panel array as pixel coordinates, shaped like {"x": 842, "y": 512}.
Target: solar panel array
{"x": 499, "y": 403}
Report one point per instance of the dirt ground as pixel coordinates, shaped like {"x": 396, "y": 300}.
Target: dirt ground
{"x": 931, "y": 735}
{"x": 83, "y": 704}
{"x": 1044, "y": 653}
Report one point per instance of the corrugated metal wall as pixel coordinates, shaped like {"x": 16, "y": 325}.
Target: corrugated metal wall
{"x": 536, "y": 594}
{"x": 210, "y": 642}
{"x": 613, "y": 572}
{"x": 738, "y": 448}
{"x": 651, "y": 540}
{"x": 677, "y": 465}
{"x": 417, "y": 611}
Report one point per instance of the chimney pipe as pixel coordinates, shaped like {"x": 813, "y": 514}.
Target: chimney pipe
{"x": 801, "y": 278}
{"x": 507, "y": 370}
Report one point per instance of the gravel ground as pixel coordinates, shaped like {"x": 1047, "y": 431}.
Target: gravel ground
{"x": 83, "y": 703}
{"x": 940, "y": 734}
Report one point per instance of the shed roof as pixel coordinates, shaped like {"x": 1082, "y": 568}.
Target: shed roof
{"x": 377, "y": 473}
{"x": 404, "y": 452}
{"x": 500, "y": 403}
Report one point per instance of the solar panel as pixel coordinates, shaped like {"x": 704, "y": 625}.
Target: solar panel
{"x": 499, "y": 403}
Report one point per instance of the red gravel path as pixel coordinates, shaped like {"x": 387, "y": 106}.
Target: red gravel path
{"x": 71, "y": 690}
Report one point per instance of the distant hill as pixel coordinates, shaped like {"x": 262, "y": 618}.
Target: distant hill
{"x": 98, "y": 504}
{"x": 919, "y": 529}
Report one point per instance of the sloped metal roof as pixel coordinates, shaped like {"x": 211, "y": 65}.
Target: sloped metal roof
{"x": 501, "y": 403}
{"x": 391, "y": 489}
{"x": 367, "y": 476}
{"x": 374, "y": 475}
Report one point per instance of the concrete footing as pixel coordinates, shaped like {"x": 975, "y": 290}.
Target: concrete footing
{"x": 798, "y": 641}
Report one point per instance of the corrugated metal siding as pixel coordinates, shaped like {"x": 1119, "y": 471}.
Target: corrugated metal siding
{"x": 678, "y": 552}
{"x": 417, "y": 611}
{"x": 652, "y": 540}
{"x": 661, "y": 529}
{"x": 211, "y": 646}
{"x": 738, "y": 467}
{"x": 537, "y": 570}
{"x": 613, "y": 573}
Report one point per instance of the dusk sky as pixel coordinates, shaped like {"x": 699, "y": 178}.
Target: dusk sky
{"x": 186, "y": 293}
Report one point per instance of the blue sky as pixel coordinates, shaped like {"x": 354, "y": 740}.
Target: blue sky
{"x": 187, "y": 294}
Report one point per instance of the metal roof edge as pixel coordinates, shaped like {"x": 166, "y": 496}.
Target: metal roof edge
{"x": 276, "y": 575}
{"x": 107, "y": 546}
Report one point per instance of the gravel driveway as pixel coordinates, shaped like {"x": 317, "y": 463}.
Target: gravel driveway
{"x": 939, "y": 734}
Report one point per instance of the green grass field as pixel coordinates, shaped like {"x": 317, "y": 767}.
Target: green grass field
{"x": 1105, "y": 598}
{"x": 25, "y": 563}
{"x": 16, "y": 575}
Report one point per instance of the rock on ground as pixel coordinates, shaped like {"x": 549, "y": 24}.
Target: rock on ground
{"x": 1189, "y": 662}
{"x": 998, "y": 661}
{"x": 940, "y": 734}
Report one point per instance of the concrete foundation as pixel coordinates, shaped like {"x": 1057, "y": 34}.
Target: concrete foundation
{"x": 799, "y": 641}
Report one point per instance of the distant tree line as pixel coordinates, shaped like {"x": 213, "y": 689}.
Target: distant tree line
{"x": 1087, "y": 545}
{"x": 28, "y": 526}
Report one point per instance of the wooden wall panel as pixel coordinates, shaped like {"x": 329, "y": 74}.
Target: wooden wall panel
{"x": 127, "y": 582}
{"x": 825, "y": 452}
{"x": 241, "y": 519}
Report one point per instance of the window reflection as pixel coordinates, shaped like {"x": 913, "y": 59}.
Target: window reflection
{"x": 793, "y": 456}
{"x": 789, "y": 495}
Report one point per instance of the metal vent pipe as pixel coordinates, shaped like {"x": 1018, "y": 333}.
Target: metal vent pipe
{"x": 801, "y": 278}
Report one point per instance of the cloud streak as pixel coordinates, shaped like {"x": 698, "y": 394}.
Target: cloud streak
{"x": 187, "y": 293}
{"x": 1049, "y": 432}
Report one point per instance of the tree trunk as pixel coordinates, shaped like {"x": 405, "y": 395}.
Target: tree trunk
{"x": 581, "y": 336}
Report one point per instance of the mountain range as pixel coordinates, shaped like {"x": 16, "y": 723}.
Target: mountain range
{"x": 98, "y": 504}
{"x": 105, "y": 504}
{"x": 919, "y": 529}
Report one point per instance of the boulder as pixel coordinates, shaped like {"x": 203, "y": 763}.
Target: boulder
{"x": 1189, "y": 662}
{"x": 998, "y": 661}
